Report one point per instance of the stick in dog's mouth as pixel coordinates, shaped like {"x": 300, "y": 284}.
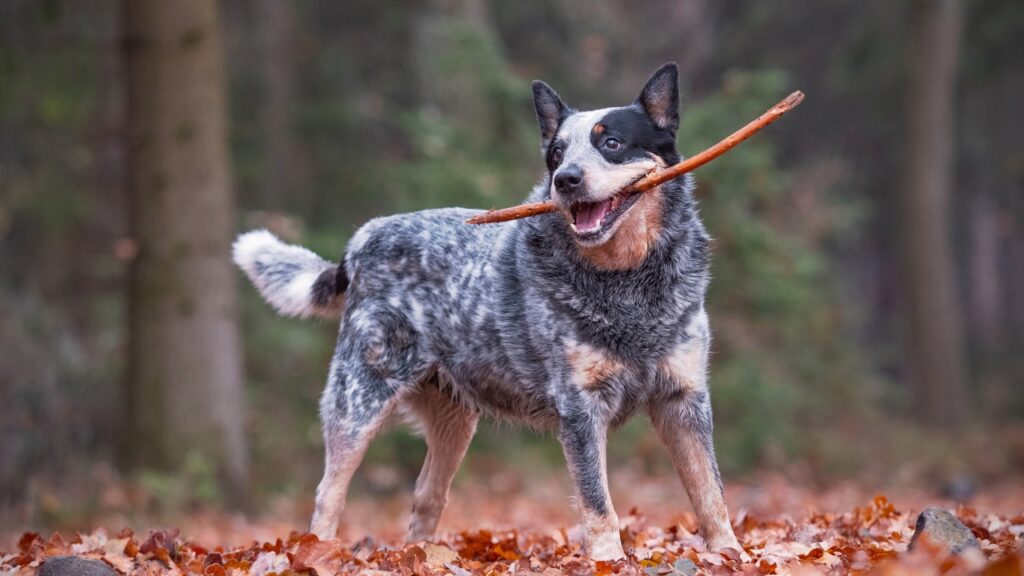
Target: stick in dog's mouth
{"x": 660, "y": 176}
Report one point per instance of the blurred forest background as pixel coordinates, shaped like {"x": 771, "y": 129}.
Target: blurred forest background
{"x": 869, "y": 249}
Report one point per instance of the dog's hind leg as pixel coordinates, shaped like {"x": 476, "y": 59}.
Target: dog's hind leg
{"x": 354, "y": 408}
{"x": 375, "y": 365}
{"x": 448, "y": 427}
{"x": 345, "y": 443}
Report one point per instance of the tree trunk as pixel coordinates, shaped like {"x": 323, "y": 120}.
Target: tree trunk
{"x": 183, "y": 391}
{"x": 985, "y": 274}
{"x": 933, "y": 322}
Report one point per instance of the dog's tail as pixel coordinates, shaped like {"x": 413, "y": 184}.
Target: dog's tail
{"x": 295, "y": 281}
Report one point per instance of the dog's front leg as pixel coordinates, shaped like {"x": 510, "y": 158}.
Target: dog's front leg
{"x": 583, "y": 436}
{"x": 684, "y": 425}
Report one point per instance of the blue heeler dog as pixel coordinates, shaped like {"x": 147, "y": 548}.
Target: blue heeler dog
{"x": 571, "y": 321}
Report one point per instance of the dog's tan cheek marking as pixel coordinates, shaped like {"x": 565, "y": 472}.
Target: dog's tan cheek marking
{"x": 590, "y": 368}
{"x": 631, "y": 243}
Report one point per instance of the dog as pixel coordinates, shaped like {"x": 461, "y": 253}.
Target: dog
{"x": 572, "y": 321}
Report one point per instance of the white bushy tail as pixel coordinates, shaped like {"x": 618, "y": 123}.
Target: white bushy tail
{"x": 295, "y": 281}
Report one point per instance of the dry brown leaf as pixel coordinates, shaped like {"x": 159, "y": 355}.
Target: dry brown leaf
{"x": 438, "y": 555}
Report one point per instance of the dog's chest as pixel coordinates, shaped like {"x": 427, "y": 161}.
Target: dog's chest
{"x": 681, "y": 364}
{"x": 637, "y": 324}
{"x": 637, "y": 314}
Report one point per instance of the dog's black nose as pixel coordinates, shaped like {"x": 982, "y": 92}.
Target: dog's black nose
{"x": 569, "y": 180}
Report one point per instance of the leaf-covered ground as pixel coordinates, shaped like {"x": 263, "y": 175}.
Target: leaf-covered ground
{"x": 784, "y": 530}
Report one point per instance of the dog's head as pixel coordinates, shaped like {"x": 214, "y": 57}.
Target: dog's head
{"x": 591, "y": 156}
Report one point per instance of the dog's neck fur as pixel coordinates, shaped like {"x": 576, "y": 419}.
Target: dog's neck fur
{"x": 631, "y": 309}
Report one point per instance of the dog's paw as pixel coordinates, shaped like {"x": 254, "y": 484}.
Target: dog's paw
{"x": 323, "y": 527}
{"x": 728, "y": 543}
{"x": 606, "y": 547}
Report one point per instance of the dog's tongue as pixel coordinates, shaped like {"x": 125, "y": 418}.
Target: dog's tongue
{"x": 589, "y": 216}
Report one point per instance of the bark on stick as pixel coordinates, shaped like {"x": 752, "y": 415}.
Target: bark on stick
{"x": 658, "y": 177}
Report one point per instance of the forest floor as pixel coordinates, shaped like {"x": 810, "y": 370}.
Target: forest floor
{"x": 513, "y": 525}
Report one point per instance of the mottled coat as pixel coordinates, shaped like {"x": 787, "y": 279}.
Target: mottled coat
{"x": 523, "y": 321}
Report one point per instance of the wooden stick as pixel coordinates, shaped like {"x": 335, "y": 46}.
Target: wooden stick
{"x": 658, "y": 177}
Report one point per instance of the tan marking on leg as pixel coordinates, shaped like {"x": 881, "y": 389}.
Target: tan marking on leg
{"x": 696, "y": 467}
{"x": 706, "y": 496}
{"x": 343, "y": 456}
{"x": 591, "y": 368}
{"x": 687, "y": 363}
{"x": 636, "y": 235}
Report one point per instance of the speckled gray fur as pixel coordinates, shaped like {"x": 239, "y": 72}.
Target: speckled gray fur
{"x": 486, "y": 315}
{"x": 490, "y": 309}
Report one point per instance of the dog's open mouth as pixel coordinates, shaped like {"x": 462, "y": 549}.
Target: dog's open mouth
{"x": 591, "y": 219}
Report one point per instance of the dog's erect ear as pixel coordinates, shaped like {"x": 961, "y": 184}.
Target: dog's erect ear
{"x": 660, "y": 97}
{"x": 550, "y": 110}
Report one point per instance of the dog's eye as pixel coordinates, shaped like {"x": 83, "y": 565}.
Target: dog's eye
{"x": 612, "y": 144}
{"x": 556, "y": 155}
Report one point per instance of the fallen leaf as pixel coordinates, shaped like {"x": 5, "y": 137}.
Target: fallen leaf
{"x": 439, "y": 556}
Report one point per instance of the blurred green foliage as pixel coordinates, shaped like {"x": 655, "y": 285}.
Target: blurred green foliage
{"x": 402, "y": 106}
{"x": 785, "y": 360}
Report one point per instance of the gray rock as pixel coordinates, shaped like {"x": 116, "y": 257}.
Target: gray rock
{"x": 943, "y": 528}
{"x": 75, "y": 566}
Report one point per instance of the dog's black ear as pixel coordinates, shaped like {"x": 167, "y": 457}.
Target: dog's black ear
{"x": 550, "y": 110}
{"x": 660, "y": 97}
